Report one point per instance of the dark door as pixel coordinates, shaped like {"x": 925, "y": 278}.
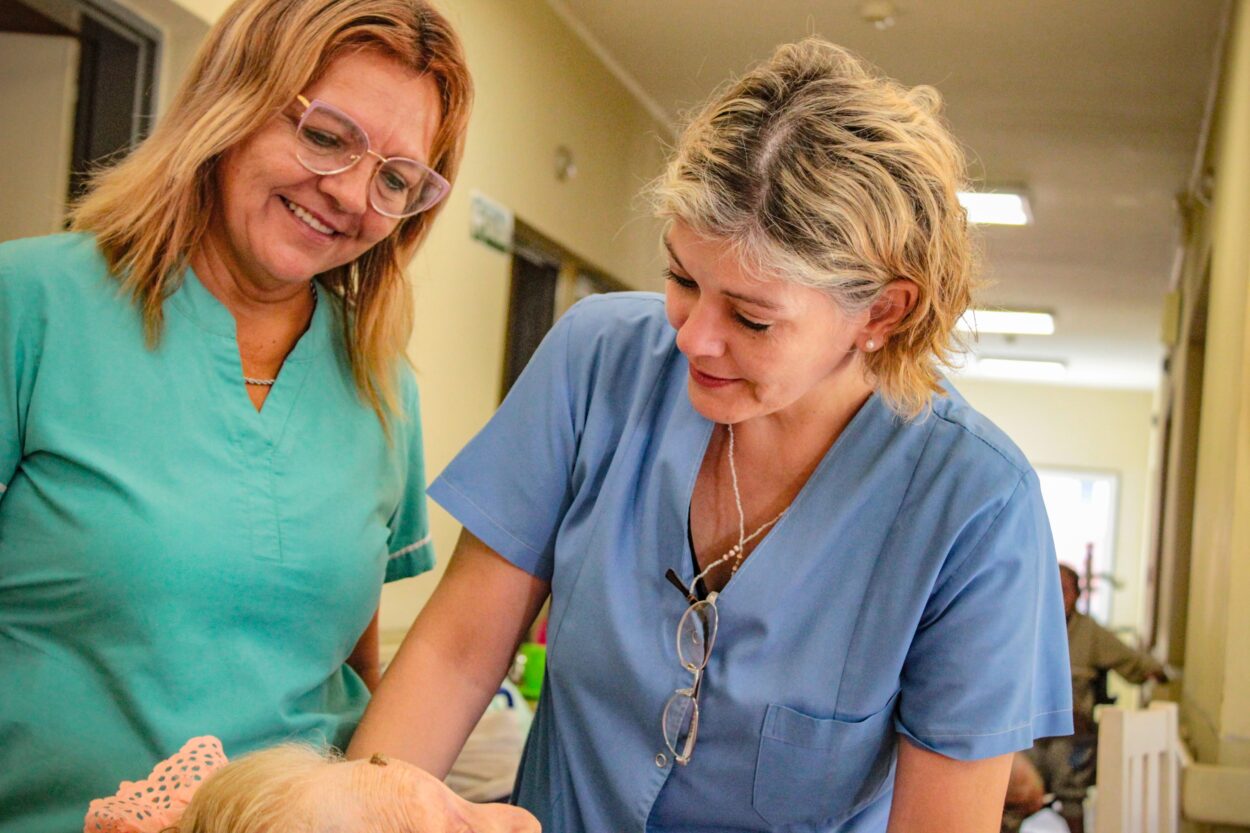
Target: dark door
{"x": 531, "y": 310}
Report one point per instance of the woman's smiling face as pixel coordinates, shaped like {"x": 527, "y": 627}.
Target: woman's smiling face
{"x": 280, "y": 223}
{"x": 756, "y": 346}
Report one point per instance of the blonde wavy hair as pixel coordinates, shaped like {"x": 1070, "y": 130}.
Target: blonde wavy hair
{"x": 149, "y": 212}
{"x": 815, "y": 168}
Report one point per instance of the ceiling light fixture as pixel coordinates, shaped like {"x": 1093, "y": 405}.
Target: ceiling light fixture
{"x": 1030, "y": 370}
{"x": 1007, "y": 321}
{"x": 1002, "y": 208}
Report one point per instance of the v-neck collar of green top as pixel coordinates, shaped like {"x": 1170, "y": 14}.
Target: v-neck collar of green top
{"x": 200, "y": 307}
{"x": 194, "y": 301}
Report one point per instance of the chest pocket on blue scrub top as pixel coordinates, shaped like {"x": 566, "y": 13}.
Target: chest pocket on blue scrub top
{"x": 821, "y": 770}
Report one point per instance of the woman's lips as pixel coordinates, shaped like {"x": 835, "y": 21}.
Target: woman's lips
{"x": 707, "y": 380}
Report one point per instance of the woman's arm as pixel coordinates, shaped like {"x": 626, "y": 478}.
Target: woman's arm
{"x": 364, "y": 657}
{"x": 452, "y": 660}
{"x": 937, "y": 794}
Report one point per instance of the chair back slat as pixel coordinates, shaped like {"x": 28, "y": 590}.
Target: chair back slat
{"x": 1138, "y": 771}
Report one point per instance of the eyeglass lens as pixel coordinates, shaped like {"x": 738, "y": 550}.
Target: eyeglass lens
{"x": 680, "y": 723}
{"x": 696, "y": 633}
{"x": 330, "y": 143}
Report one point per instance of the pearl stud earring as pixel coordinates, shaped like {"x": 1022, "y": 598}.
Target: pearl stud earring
{"x": 870, "y": 345}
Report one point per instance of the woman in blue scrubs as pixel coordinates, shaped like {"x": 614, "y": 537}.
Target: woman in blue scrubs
{"x": 210, "y": 445}
{"x": 796, "y": 582}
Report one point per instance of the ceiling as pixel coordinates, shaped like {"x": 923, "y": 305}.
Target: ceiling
{"x": 1095, "y": 107}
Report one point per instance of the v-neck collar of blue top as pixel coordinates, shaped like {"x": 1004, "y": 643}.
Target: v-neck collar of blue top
{"x": 857, "y": 442}
{"x": 193, "y": 300}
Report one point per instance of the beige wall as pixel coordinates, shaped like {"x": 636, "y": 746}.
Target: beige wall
{"x": 538, "y": 88}
{"x": 38, "y": 79}
{"x": 1091, "y": 429}
{"x": 1216, "y": 693}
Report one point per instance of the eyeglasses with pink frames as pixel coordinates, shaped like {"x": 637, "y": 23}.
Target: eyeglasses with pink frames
{"x": 330, "y": 142}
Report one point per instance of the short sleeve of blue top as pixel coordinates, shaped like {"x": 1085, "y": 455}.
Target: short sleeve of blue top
{"x": 911, "y": 589}
{"x": 173, "y": 562}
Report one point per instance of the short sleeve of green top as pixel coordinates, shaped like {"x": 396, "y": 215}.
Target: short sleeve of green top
{"x": 172, "y": 561}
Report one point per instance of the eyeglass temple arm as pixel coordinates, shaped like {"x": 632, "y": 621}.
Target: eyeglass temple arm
{"x": 671, "y": 575}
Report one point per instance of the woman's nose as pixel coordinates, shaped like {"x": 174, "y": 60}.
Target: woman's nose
{"x": 701, "y": 333}
{"x": 349, "y": 189}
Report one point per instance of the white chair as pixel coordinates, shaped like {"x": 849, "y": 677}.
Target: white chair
{"x": 1138, "y": 770}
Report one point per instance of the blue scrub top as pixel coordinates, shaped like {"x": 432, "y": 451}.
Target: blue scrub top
{"x": 174, "y": 563}
{"x": 911, "y": 589}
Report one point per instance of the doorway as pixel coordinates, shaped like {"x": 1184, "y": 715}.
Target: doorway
{"x": 547, "y": 279}
{"x": 82, "y": 74}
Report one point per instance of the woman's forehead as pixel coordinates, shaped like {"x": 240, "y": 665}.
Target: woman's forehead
{"x": 398, "y": 108}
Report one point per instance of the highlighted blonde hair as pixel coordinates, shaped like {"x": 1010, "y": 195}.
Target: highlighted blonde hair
{"x": 149, "y": 212}
{"x": 814, "y": 168}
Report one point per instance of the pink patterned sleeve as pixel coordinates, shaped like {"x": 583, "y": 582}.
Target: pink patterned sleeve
{"x": 157, "y": 802}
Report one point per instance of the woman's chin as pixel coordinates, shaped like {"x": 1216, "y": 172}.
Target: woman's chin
{"x": 716, "y": 407}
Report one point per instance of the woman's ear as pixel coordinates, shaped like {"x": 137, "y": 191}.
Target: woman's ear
{"x": 895, "y": 302}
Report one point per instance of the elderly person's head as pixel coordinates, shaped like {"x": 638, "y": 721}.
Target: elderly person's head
{"x": 298, "y": 789}
{"x": 816, "y": 173}
{"x": 311, "y": 138}
{"x": 1070, "y": 580}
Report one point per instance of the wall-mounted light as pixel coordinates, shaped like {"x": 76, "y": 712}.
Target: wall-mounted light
{"x": 1002, "y": 208}
{"x": 566, "y": 166}
{"x": 882, "y": 14}
{"x": 1011, "y": 322}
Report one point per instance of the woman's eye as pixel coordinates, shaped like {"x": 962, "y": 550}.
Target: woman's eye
{"x": 680, "y": 280}
{"x": 393, "y": 181}
{"x": 322, "y": 138}
{"x": 756, "y": 326}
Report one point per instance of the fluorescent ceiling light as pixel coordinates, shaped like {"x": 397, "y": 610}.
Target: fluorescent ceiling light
{"x": 1003, "y": 209}
{"x": 1039, "y": 370}
{"x": 1012, "y": 322}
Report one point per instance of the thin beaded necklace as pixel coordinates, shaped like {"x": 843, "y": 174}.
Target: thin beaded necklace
{"x": 738, "y": 551}
{"x": 268, "y": 383}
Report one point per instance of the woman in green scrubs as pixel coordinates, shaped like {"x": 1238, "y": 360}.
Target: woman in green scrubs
{"x": 210, "y": 446}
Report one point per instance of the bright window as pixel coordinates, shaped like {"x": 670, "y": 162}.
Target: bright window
{"x": 1081, "y": 506}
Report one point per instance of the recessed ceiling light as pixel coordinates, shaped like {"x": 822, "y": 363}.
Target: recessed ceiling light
{"x": 1012, "y": 322}
{"x": 1001, "y": 208}
{"x": 1034, "y": 370}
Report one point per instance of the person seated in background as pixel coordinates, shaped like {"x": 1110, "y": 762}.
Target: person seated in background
{"x": 292, "y": 788}
{"x": 1066, "y": 764}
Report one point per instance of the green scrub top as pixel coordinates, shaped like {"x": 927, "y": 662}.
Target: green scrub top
{"x": 172, "y": 561}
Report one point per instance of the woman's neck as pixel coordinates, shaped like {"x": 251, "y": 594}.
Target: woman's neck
{"x": 268, "y": 319}
{"x": 775, "y": 455}
{"x": 250, "y": 301}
